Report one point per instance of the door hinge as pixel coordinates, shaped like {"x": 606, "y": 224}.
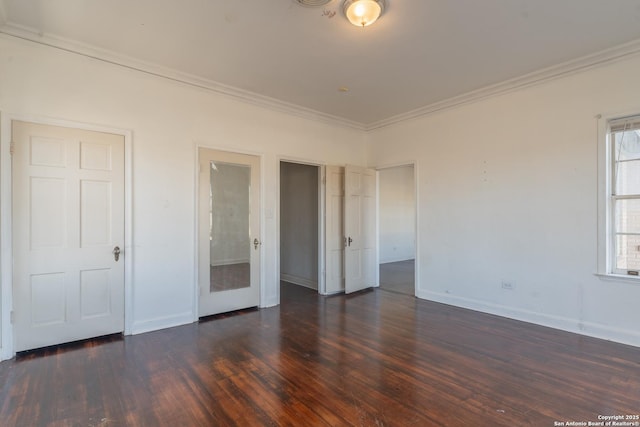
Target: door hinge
{"x": 12, "y": 317}
{"x": 12, "y": 148}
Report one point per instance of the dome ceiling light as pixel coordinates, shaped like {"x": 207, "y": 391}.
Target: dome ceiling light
{"x": 362, "y": 13}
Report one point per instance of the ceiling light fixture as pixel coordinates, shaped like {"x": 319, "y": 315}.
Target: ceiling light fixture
{"x": 362, "y": 13}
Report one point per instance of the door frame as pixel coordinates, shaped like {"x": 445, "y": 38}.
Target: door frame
{"x": 321, "y": 226}
{"x": 264, "y": 297}
{"x": 416, "y": 273}
{"x": 7, "y": 337}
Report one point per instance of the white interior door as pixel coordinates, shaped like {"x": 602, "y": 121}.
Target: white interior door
{"x": 360, "y": 228}
{"x": 68, "y": 216}
{"x": 334, "y": 229}
{"x": 228, "y": 231}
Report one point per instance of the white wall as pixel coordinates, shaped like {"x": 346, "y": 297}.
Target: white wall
{"x": 506, "y": 186}
{"x": 507, "y": 191}
{"x": 299, "y": 224}
{"x": 168, "y": 121}
{"x": 396, "y": 193}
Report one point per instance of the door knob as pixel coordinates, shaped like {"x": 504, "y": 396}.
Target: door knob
{"x": 256, "y": 242}
{"x": 116, "y": 253}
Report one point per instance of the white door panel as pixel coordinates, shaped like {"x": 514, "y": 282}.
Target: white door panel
{"x": 334, "y": 229}
{"x": 360, "y": 228}
{"x": 68, "y": 215}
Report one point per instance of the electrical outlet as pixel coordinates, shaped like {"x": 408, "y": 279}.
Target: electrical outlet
{"x": 508, "y": 285}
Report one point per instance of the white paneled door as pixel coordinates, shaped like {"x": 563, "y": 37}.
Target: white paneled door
{"x": 334, "y": 229}
{"x": 360, "y": 228}
{"x": 228, "y": 232}
{"x": 68, "y": 234}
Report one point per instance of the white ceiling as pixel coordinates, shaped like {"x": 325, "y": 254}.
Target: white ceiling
{"x": 420, "y": 52}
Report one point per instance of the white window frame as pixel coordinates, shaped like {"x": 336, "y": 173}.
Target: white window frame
{"x": 606, "y": 268}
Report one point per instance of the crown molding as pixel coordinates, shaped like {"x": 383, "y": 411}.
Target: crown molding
{"x": 104, "y": 55}
{"x": 537, "y": 77}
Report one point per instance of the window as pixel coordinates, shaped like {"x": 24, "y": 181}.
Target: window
{"x": 624, "y": 196}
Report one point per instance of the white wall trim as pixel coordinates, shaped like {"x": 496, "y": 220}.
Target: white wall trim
{"x": 300, "y": 161}
{"x": 396, "y": 165}
{"x": 595, "y": 330}
{"x": 6, "y": 259}
{"x": 605, "y": 239}
{"x": 619, "y": 278}
{"x": 163, "y": 322}
{"x": 537, "y": 77}
{"x": 104, "y": 55}
{"x": 265, "y": 285}
{"x": 7, "y": 350}
{"x": 377, "y": 233}
{"x": 416, "y": 264}
{"x": 195, "y": 296}
{"x": 603, "y": 184}
{"x": 322, "y": 232}
{"x": 228, "y": 148}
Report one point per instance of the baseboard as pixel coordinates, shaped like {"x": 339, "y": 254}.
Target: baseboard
{"x": 330, "y": 294}
{"x": 4, "y": 354}
{"x": 142, "y": 326}
{"x": 595, "y": 330}
{"x": 311, "y": 284}
{"x": 270, "y": 300}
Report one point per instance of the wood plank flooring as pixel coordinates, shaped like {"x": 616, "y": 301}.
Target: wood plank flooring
{"x": 375, "y": 358}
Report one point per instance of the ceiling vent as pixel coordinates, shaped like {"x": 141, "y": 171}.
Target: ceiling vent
{"x": 313, "y": 3}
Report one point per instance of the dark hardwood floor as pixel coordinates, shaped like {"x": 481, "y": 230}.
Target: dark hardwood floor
{"x": 398, "y": 276}
{"x": 375, "y": 358}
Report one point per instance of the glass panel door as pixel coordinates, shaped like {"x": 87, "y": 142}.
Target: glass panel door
{"x": 228, "y": 231}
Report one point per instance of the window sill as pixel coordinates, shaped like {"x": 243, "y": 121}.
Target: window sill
{"x": 610, "y": 277}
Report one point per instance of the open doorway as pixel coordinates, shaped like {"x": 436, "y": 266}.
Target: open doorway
{"x": 299, "y": 226}
{"x": 397, "y": 228}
